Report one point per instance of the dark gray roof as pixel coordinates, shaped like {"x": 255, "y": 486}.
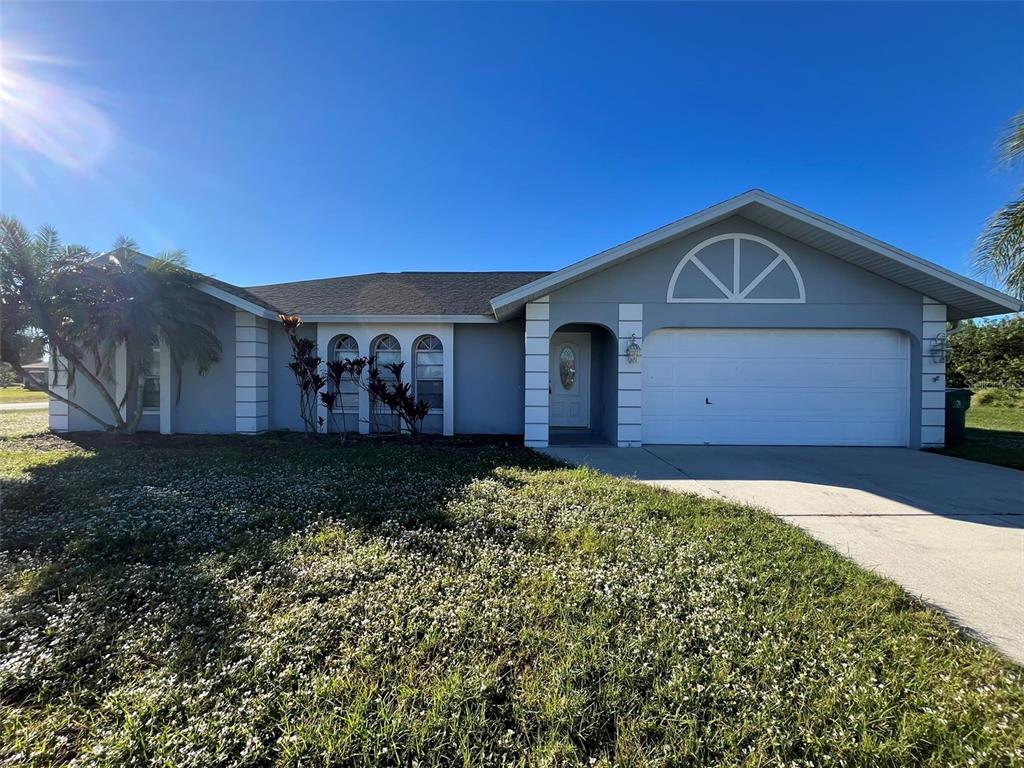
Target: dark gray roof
{"x": 234, "y": 290}
{"x": 394, "y": 293}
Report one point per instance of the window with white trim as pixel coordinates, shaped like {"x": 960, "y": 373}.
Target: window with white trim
{"x": 150, "y": 389}
{"x": 386, "y": 349}
{"x": 347, "y": 348}
{"x": 429, "y": 372}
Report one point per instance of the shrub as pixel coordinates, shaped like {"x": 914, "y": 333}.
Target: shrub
{"x": 999, "y": 398}
{"x": 988, "y": 354}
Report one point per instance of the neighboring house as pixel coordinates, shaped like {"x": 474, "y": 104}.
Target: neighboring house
{"x": 751, "y": 322}
{"x": 38, "y": 370}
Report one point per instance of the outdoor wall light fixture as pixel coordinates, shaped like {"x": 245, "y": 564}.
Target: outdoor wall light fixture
{"x": 633, "y": 350}
{"x": 940, "y": 348}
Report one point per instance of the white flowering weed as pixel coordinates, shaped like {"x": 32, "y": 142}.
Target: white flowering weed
{"x": 286, "y": 601}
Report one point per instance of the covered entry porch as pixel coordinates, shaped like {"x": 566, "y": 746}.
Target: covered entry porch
{"x": 583, "y": 380}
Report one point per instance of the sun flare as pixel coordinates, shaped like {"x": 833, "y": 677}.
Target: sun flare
{"x": 49, "y": 118}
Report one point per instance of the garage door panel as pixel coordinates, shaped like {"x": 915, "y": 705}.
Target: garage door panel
{"x": 738, "y": 343}
{"x": 745, "y": 431}
{"x": 793, "y": 373}
{"x": 776, "y": 387}
{"x": 856, "y": 404}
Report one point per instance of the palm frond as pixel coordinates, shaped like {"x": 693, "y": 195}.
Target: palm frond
{"x": 13, "y": 230}
{"x": 1011, "y": 147}
{"x": 125, "y": 243}
{"x": 47, "y": 245}
{"x": 999, "y": 254}
{"x": 176, "y": 256}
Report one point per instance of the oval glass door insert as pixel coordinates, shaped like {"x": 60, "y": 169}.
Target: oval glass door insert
{"x": 567, "y": 367}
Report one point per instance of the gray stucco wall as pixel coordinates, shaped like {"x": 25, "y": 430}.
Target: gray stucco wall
{"x": 610, "y": 376}
{"x": 207, "y": 403}
{"x": 283, "y": 392}
{"x": 489, "y": 374}
{"x": 838, "y": 295}
{"x": 85, "y": 393}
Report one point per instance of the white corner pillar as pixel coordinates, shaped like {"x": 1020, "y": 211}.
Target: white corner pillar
{"x": 252, "y": 408}
{"x": 631, "y": 324}
{"x": 933, "y": 374}
{"x": 538, "y": 355}
{"x": 59, "y": 411}
{"x": 448, "y": 384}
{"x": 166, "y": 392}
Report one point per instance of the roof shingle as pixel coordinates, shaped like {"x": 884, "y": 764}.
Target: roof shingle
{"x": 394, "y": 293}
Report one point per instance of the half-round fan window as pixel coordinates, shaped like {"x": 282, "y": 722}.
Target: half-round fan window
{"x": 736, "y": 268}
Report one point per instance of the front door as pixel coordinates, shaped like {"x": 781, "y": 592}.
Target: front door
{"x": 570, "y": 380}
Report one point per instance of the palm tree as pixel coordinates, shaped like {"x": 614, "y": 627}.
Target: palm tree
{"x": 87, "y": 306}
{"x": 1000, "y": 251}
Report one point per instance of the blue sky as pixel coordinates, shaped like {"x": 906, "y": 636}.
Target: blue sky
{"x": 277, "y": 142}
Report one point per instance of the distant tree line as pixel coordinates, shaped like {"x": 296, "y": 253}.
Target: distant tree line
{"x": 988, "y": 354}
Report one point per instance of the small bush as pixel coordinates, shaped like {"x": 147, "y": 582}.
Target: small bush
{"x": 988, "y": 354}
{"x": 999, "y": 398}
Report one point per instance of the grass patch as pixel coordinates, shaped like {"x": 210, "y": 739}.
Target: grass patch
{"x": 18, "y": 394}
{"x": 282, "y": 601}
{"x": 995, "y": 429}
{"x": 23, "y": 423}
{"x": 999, "y": 398}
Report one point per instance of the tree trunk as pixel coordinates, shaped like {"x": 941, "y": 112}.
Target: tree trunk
{"x": 59, "y": 346}
{"x": 38, "y": 386}
{"x": 132, "y": 426}
{"x": 81, "y": 368}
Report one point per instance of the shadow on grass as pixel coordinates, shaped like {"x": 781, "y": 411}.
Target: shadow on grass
{"x": 991, "y": 446}
{"x": 123, "y": 548}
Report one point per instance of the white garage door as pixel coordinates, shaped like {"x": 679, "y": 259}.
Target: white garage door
{"x": 775, "y": 387}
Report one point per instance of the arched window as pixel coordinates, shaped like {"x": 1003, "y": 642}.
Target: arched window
{"x": 346, "y": 348}
{"x": 736, "y": 268}
{"x": 386, "y": 349}
{"x": 429, "y": 375}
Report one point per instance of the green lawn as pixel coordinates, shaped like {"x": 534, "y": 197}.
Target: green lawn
{"x": 18, "y": 394}
{"x": 280, "y": 601}
{"x": 995, "y": 429}
{"x": 22, "y": 423}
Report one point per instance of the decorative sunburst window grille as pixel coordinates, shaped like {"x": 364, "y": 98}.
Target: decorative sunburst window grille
{"x": 736, "y": 269}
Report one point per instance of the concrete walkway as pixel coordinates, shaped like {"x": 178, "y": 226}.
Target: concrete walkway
{"x": 24, "y": 406}
{"x": 950, "y": 531}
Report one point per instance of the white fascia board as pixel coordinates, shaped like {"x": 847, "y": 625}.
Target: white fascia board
{"x": 508, "y": 302}
{"x": 929, "y": 268}
{"x": 396, "y": 318}
{"x": 538, "y": 287}
{"x": 236, "y": 301}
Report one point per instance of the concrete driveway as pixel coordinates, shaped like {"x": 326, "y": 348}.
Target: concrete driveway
{"x": 38, "y": 406}
{"x": 950, "y": 531}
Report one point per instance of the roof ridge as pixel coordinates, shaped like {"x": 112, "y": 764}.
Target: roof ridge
{"x": 408, "y": 272}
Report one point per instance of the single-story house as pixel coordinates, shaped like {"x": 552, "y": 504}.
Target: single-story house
{"x": 753, "y": 321}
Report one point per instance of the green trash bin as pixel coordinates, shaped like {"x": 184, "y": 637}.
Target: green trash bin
{"x": 957, "y": 403}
